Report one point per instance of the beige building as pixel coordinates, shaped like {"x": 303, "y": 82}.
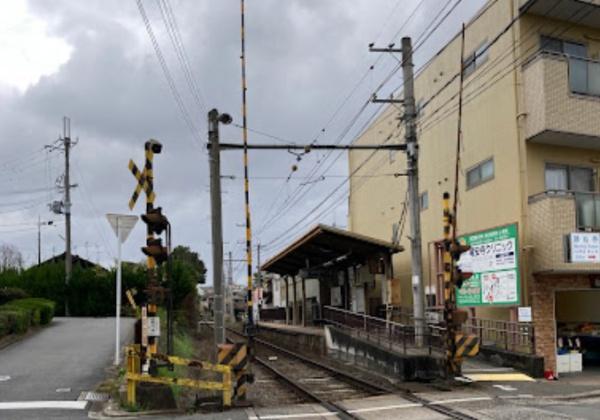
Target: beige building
{"x": 529, "y": 158}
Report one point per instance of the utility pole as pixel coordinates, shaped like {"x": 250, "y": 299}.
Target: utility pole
{"x": 217, "y": 219}
{"x": 412, "y": 156}
{"x": 230, "y": 308}
{"x": 67, "y": 204}
{"x": 259, "y": 280}
{"x": 412, "y": 169}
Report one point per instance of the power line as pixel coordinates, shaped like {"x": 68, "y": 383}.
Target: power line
{"x": 313, "y": 171}
{"x": 174, "y": 34}
{"x": 425, "y": 35}
{"x": 170, "y": 81}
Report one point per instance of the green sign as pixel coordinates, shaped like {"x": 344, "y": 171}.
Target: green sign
{"x": 494, "y": 261}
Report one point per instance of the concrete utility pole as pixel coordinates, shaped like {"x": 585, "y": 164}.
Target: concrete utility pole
{"x": 412, "y": 169}
{"x": 230, "y": 308}
{"x": 217, "y": 220}
{"x": 259, "y": 281}
{"x": 67, "y": 186}
{"x": 412, "y": 166}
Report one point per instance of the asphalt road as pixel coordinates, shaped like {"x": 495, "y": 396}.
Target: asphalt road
{"x": 57, "y": 364}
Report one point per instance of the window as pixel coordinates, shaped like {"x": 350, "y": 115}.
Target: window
{"x": 476, "y": 59}
{"x": 569, "y": 178}
{"x": 480, "y": 173}
{"x": 560, "y": 46}
{"x": 424, "y": 201}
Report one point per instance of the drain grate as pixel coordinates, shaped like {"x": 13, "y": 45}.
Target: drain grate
{"x": 93, "y": 396}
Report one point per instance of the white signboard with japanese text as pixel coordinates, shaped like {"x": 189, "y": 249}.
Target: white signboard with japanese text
{"x": 585, "y": 247}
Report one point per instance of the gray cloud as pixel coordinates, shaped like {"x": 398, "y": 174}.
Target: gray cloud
{"x": 304, "y": 56}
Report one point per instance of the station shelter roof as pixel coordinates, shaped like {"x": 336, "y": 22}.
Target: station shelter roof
{"x": 324, "y": 246}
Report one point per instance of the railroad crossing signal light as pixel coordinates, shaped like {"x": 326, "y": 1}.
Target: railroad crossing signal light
{"x": 155, "y": 250}
{"x": 458, "y": 275}
{"x": 156, "y": 221}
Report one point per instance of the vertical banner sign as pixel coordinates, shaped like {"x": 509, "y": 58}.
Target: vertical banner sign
{"x": 494, "y": 261}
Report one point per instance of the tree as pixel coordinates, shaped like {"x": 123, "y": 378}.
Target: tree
{"x": 185, "y": 255}
{"x": 10, "y": 258}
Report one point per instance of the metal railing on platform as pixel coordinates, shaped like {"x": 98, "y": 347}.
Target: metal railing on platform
{"x": 395, "y": 336}
{"x": 515, "y": 337}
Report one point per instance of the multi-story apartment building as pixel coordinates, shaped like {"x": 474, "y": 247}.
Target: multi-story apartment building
{"x": 529, "y": 163}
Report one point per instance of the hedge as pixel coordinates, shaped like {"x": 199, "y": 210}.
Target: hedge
{"x": 11, "y": 293}
{"x": 91, "y": 292}
{"x": 20, "y": 314}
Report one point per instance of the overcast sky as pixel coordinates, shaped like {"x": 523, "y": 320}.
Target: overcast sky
{"x": 94, "y": 62}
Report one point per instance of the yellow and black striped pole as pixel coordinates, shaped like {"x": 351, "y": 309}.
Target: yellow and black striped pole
{"x": 150, "y": 262}
{"x": 452, "y": 364}
{"x": 250, "y": 320}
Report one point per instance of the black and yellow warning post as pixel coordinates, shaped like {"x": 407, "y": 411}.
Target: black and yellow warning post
{"x": 143, "y": 358}
{"x": 458, "y": 344}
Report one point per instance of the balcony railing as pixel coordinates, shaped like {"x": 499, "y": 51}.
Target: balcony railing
{"x": 553, "y": 217}
{"x": 586, "y": 215}
{"x": 561, "y": 99}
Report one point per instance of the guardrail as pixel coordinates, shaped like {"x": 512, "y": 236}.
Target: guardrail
{"x": 393, "y": 335}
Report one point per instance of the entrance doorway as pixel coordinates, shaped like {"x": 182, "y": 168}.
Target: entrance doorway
{"x": 577, "y": 315}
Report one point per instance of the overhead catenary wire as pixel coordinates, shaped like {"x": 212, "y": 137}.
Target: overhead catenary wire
{"x": 426, "y": 34}
{"x": 172, "y": 27}
{"x": 189, "y": 121}
{"x": 346, "y": 100}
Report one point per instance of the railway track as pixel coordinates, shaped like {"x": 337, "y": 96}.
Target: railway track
{"x": 323, "y": 384}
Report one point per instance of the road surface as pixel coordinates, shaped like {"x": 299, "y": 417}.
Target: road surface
{"x": 55, "y": 365}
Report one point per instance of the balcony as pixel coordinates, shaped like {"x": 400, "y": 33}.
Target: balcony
{"x": 579, "y": 12}
{"x": 562, "y": 100}
{"x": 553, "y": 216}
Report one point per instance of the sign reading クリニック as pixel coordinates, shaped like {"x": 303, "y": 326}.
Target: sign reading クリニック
{"x": 494, "y": 261}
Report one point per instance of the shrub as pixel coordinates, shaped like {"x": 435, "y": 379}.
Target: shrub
{"x": 42, "y": 310}
{"x": 16, "y": 321}
{"x": 11, "y": 293}
{"x": 18, "y": 315}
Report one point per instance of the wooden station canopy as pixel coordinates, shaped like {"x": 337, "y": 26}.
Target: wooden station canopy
{"x": 324, "y": 247}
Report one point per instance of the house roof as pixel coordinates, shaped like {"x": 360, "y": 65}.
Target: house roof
{"x": 77, "y": 260}
{"x": 326, "y": 245}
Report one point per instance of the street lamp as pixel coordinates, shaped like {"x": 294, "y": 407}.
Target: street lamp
{"x": 39, "y": 238}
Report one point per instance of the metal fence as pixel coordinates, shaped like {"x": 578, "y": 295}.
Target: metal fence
{"x": 396, "y": 336}
{"x": 515, "y": 337}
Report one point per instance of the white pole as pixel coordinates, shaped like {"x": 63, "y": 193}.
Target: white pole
{"x": 118, "y": 311}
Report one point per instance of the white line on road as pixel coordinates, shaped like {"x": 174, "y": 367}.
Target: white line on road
{"x": 32, "y": 405}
